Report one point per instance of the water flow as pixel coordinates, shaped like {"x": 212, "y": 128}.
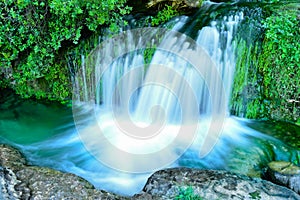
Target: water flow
{"x": 217, "y": 39}
{"x": 165, "y": 88}
{"x": 151, "y": 114}
{"x": 168, "y": 77}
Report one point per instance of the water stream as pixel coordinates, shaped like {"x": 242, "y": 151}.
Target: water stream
{"x": 131, "y": 118}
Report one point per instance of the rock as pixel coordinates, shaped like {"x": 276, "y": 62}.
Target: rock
{"x": 284, "y": 173}
{"x": 11, "y": 158}
{"x": 144, "y": 196}
{"x": 211, "y": 184}
{"x": 45, "y": 183}
{"x": 19, "y": 181}
{"x": 8, "y": 181}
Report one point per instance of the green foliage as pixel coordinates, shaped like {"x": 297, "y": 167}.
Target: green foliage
{"x": 187, "y": 194}
{"x": 279, "y": 65}
{"x": 267, "y": 77}
{"x": 255, "y": 195}
{"x": 148, "y": 55}
{"x": 164, "y": 15}
{"x": 32, "y": 34}
{"x": 296, "y": 160}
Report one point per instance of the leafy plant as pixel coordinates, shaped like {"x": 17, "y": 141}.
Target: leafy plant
{"x": 164, "y": 15}
{"x": 267, "y": 78}
{"x": 187, "y": 194}
{"x": 279, "y": 65}
{"x": 34, "y": 34}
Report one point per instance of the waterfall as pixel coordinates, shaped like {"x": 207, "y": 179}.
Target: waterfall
{"x": 98, "y": 84}
{"x": 132, "y": 116}
{"x": 143, "y": 112}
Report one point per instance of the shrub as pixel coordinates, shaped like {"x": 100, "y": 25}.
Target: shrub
{"x": 279, "y": 65}
{"x": 32, "y": 33}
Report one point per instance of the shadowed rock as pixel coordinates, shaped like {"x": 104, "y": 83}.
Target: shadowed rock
{"x": 284, "y": 173}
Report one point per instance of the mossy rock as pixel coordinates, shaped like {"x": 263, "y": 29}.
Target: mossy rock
{"x": 284, "y": 173}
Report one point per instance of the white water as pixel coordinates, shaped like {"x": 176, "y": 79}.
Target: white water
{"x": 139, "y": 118}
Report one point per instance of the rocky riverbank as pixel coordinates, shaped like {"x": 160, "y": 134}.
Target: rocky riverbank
{"x": 20, "y": 181}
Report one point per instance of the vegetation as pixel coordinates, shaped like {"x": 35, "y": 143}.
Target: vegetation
{"x": 164, "y": 15}
{"x": 32, "y": 34}
{"x": 267, "y": 77}
{"x": 187, "y": 194}
{"x": 279, "y": 65}
{"x": 246, "y": 97}
{"x": 41, "y": 42}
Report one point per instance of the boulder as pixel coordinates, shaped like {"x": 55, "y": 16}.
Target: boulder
{"x": 211, "y": 184}
{"x": 8, "y": 180}
{"x": 11, "y": 157}
{"x": 19, "y": 181}
{"x": 284, "y": 173}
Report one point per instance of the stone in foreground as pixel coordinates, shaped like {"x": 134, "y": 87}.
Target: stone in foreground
{"x": 211, "y": 184}
{"x": 19, "y": 181}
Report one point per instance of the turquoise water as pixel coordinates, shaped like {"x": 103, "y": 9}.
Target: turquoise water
{"x": 47, "y": 136}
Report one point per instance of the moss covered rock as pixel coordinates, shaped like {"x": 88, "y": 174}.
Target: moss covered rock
{"x": 284, "y": 173}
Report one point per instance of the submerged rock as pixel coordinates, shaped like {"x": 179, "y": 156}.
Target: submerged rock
{"x": 284, "y": 173}
{"x": 211, "y": 184}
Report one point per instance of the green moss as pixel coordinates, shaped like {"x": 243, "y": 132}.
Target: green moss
{"x": 246, "y": 99}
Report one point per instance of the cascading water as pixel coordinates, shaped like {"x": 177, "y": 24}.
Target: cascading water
{"x": 216, "y": 39}
{"x": 152, "y": 111}
{"x": 134, "y": 118}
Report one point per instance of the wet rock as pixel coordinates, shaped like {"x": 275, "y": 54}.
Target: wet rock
{"x": 210, "y": 184}
{"x": 284, "y": 173}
